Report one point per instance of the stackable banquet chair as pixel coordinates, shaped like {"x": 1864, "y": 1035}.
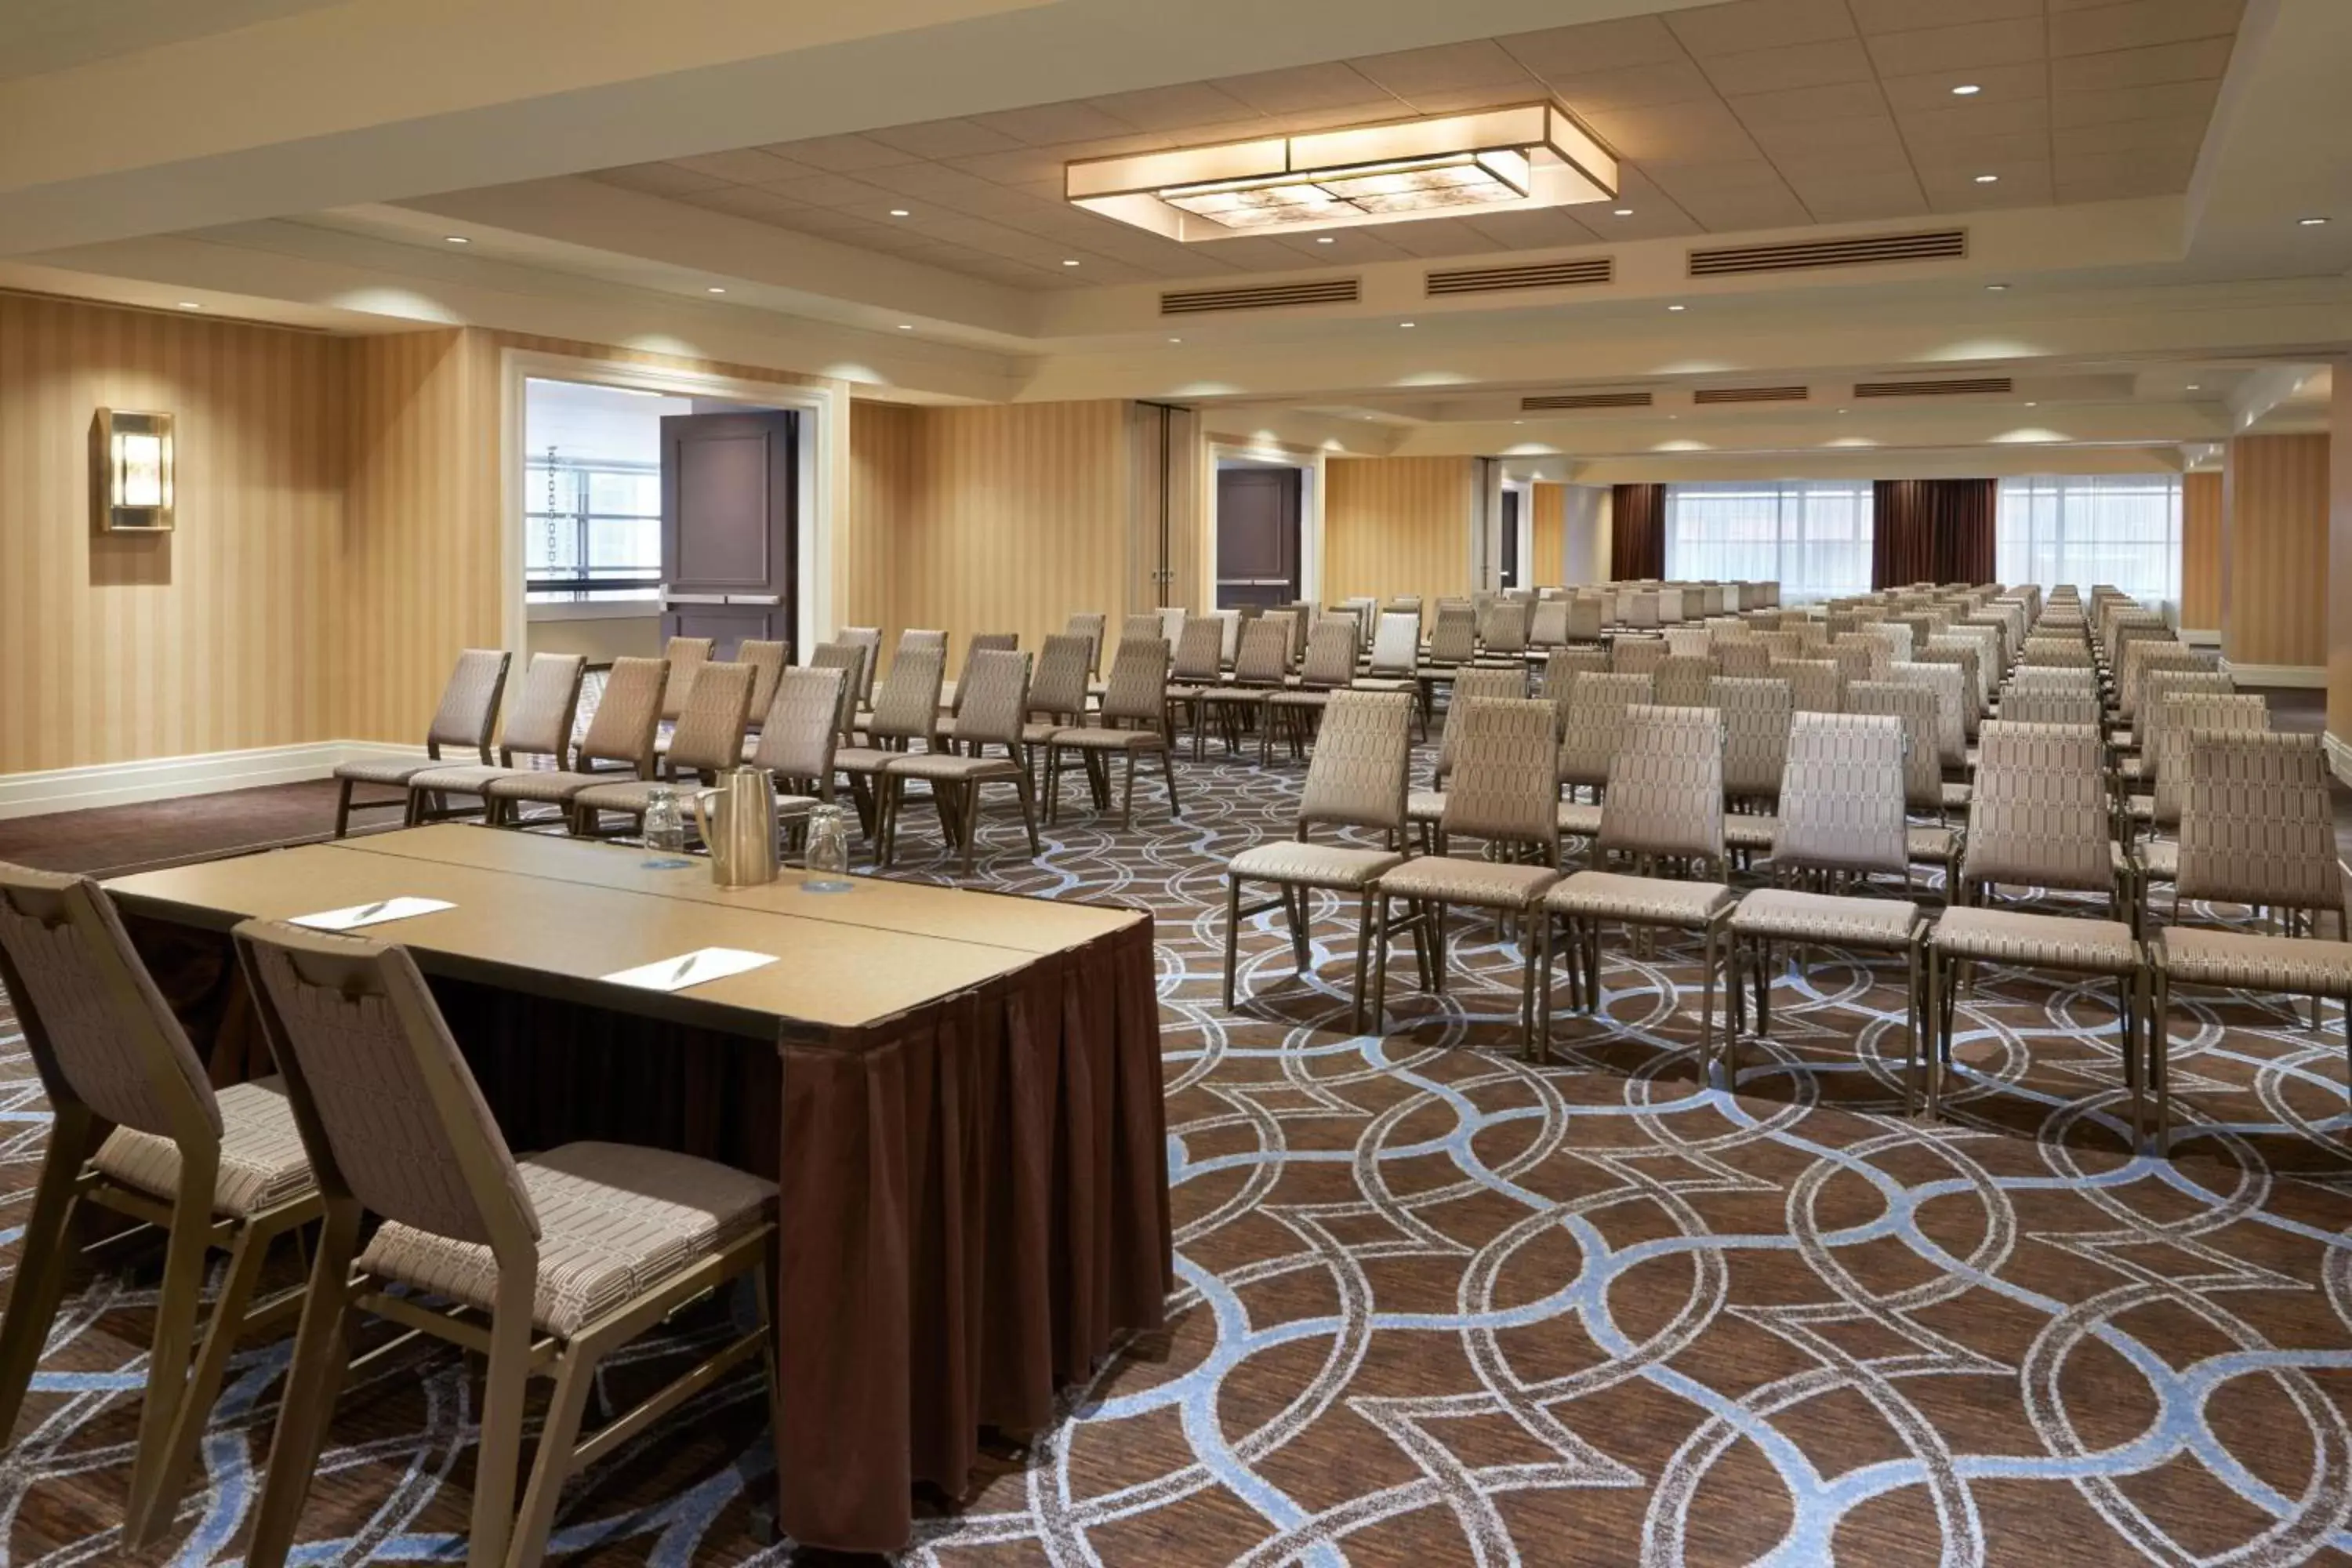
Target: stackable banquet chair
{"x": 993, "y": 714}
{"x": 468, "y": 716}
{"x": 620, "y": 736}
{"x": 708, "y": 738}
{"x": 538, "y": 725}
{"x": 1134, "y": 723}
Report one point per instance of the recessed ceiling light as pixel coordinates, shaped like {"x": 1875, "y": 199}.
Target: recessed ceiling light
{"x": 1996, "y": 288}
{"x": 1678, "y": 307}
{"x": 1325, "y": 239}
{"x": 1179, "y": 340}
{"x": 1966, "y": 90}
{"x": 1622, "y": 212}
{"x": 2033, "y": 406}
{"x": 1841, "y": 411}
{"x": 906, "y": 326}
{"x": 1404, "y": 324}
{"x": 2194, "y": 387}
{"x": 900, "y": 211}
{"x": 1987, "y": 179}
{"x": 714, "y": 288}
{"x": 1069, "y": 262}
{"x": 2310, "y": 222}
{"x": 190, "y": 305}
{"x": 456, "y": 240}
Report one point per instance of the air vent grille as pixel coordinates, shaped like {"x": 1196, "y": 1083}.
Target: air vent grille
{"x": 1749, "y": 395}
{"x": 1559, "y": 400}
{"x": 1534, "y": 275}
{"x": 1260, "y": 297}
{"x": 1863, "y": 250}
{"x": 1980, "y": 386}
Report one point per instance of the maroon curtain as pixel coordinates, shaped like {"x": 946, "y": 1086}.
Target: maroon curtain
{"x": 1637, "y": 531}
{"x": 1931, "y": 530}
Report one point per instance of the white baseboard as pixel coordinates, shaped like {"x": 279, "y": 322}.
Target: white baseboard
{"x": 2309, "y": 676}
{"x": 2199, "y": 636}
{"x": 162, "y": 778}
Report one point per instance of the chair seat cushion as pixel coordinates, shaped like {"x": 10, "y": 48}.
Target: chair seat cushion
{"x": 2037, "y": 942}
{"x": 952, "y": 769}
{"x": 1310, "y": 865}
{"x": 553, "y": 787}
{"x": 1382, "y": 683}
{"x": 2160, "y": 859}
{"x": 2302, "y": 966}
{"x": 1750, "y": 830}
{"x": 1581, "y": 819}
{"x": 460, "y": 778}
{"x": 863, "y": 759}
{"x": 1930, "y": 844}
{"x": 2132, "y": 767}
{"x": 1488, "y": 884}
{"x": 1646, "y": 900}
{"x": 1788, "y": 914}
{"x": 1425, "y": 806}
{"x": 390, "y": 771}
{"x": 1243, "y": 695}
{"x": 630, "y": 794}
{"x": 1956, "y": 794}
{"x": 615, "y": 1220}
{"x": 1305, "y": 696}
{"x": 261, "y": 1165}
{"x": 1095, "y": 739}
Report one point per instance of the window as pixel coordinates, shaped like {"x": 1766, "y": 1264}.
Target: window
{"x": 1812, "y": 537}
{"x": 2123, "y": 529}
{"x": 591, "y": 491}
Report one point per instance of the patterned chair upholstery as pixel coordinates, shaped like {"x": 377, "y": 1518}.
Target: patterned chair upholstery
{"x": 708, "y": 738}
{"x": 1425, "y": 807}
{"x": 620, "y": 734}
{"x": 1135, "y": 722}
{"x": 1261, "y": 666}
{"x": 2154, "y": 688}
{"x": 468, "y": 716}
{"x": 538, "y": 726}
{"x": 2052, "y": 705}
{"x": 996, "y": 701}
{"x": 1561, "y": 667}
{"x": 1744, "y": 656}
{"x": 1755, "y": 741}
{"x": 1682, "y": 681}
{"x": 905, "y": 710}
{"x": 799, "y": 736}
{"x": 686, "y": 656}
{"x": 851, "y": 660}
{"x": 1638, "y": 656}
{"x": 1329, "y": 665}
{"x": 1815, "y": 685}
{"x": 1598, "y": 704}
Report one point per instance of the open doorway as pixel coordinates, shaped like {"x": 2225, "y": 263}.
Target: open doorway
{"x": 1260, "y": 528}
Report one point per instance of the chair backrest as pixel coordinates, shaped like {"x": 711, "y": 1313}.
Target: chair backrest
{"x": 709, "y": 734}
{"x": 850, "y": 659}
{"x": 906, "y": 708}
{"x": 2039, "y": 814}
{"x": 628, "y": 715}
{"x": 2055, "y": 652}
{"x": 1638, "y": 608}
{"x": 1148, "y": 625}
{"x": 1502, "y": 786}
{"x": 2052, "y": 678}
{"x": 1596, "y": 723}
{"x": 869, "y": 638}
{"x": 1681, "y": 681}
{"x": 100, "y": 1030}
{"x": 1851, "y": 656}
{"x": 921, "y": 639}
{"x": 1506, "y": 626}
{"x": 1363, "y": 753}
{"x": 1396, "y": 644}
{"x": 1058, "y": 690}
{"x": 1841, "y": 797}
{"x": 1089, "y": 625}
{"x": 1287, "y": 624}
{"x": 389, "y": 1112}
{"x": 468, "y": 713}
{"x": 1470, "y": 686}
{"x": 1754, "y": 733}
{"x": 767, "y": 660}
{"x": 986, "y": 642}
{"x": 2259, "y": 825}
{"x": 2187, "y": 717}
{"x": 1331, "y": 655}
{"x": 1229, "y": 626}
{"x": 803, "y": 724}
{"x": 539, "y": 725}
{"x": 1747, "y": 657}
{"x": 1136, "y": 698}
{"x": 2152, "y": 656}
{"x": 1587, "y": 615}
{"x": 1947, "y": 682}
{"x": 1815, "y": 685}
{"x": 1265, "y": 655}
{"x": 1549, "y": 626}
{"x": 2050, "y": 705}
{"x": 2161, "y": 684}
{"x": 687, "y": 656}
{"x": 1454, "y": 638}
{"x": 992, "y": 701}
{"x": 1200, "y": 658}
{"x": 1666, "y": 784}
{"x": 1561, "y": 667}
{"x": 1638, "y": 656}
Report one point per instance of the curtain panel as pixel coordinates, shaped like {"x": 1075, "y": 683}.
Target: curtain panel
{"x": 1931, "y": 530}
{"x": 1637, "y": 531}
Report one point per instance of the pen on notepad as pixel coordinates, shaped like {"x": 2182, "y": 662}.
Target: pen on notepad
{"x": 679, "y": 973}
{"x": 370, "y": 910}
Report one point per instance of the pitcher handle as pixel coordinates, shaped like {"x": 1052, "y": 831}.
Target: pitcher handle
{"x": 702, "y": 816}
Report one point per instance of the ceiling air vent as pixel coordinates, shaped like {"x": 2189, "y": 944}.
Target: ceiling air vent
{"x": 1980, "y": 386}
{"x": 1863, "y": 250}
{"x": 1749, "y": 395}
{"x": 1557, "y": 400}
{"x": 1534, "y": 275}
{"x": 1260, "y": 297}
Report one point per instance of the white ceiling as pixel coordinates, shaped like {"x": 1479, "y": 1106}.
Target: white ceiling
{"x": 40, "y": 36}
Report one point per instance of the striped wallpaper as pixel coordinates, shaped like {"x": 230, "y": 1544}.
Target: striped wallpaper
{"x": 2274, "y": 550}
{"x": 2201, "y": 551}
{"x": 1548, "y": 537}
{"x": 2340, "y": 556}
{"x": 1397, "y": 525}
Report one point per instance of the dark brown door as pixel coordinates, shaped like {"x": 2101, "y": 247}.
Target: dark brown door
{"x": 1258, "y": 537}
{"x": 730, "y": 496}
{"x": 1510, "y": 572}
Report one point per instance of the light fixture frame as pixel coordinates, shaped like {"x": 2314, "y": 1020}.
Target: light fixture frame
{"x": 1567, "y": 165}
{"x": 123, "y": 498}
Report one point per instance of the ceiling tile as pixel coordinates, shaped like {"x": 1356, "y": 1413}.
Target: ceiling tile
{"x": 2202, "y": 60}
{"x": 658, "y": 179}
{"x": 1681, "y": 181}
{"x": 2115, "y": 183}
{"x": 1832, "y": 199}
{"x": 944, "y": 139}
{"x": 1817, "y": 135}
{"x": 2022, "y": 183}
{"x": 1861, "y": 160}
{"x": 1763, "y": 206}
{"x": 1851, "y": 100}
{"x": 1759, "y": 25}
{"x": 1979, "y": 155}
{"x": 1676, "y": 133}
{"x": 2139, "y": 22}
{"x": 2185, "y": 100}
{"x": 2158, "y": 136}
{"x": 1333, "y": 85}
{"x": 1794, "y": 67}
{"x": 1994, "y": 84}
{"x": 1541, "y": 228}
{"x": 938, "y": 185}
{"x": 1257, "y": 253}
{"x": 1945, "y": 49}
{"x": 1523, "y": 88}
{"x": 1481, "y": 62}
{"x": 1043, "y": 124}
{"x": 1906, "y": 15}
{"x": 840, "y": 155}
{"x": 1595, "y": 47}
{"x": 1348, "y": 247}
{"x": 1436, "y": 237}
{"x": 836, "y": 192}
{"x": 1190, "y": 110}
{"x": 1632, "y": 87}
{"x": 1655, "y": 213}
{"x": 746, "y": 167}
{"x": 746, "y": 201}
{"x": 2170, "y": 167}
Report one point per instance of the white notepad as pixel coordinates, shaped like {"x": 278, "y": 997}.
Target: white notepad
{"x": 373, "y": 914}
{"x": 691, "y": 968}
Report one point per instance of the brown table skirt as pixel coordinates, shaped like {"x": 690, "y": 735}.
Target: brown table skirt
{"x": 976, "y": 1209}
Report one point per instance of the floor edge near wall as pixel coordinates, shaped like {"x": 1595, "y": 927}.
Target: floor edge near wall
{"x": 168, "y": 778}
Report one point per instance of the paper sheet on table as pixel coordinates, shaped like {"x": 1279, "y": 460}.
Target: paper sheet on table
{"x": 374, "y": 914}
{"x": 691, "y": 968}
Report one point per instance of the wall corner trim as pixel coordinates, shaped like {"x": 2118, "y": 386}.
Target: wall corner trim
{"x": 2302, "y": 677}
{"x": 165, "y": 778}
{"x": 2339, "y": 756}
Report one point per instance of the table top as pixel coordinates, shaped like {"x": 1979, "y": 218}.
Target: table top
{"x": 553, "y": 915}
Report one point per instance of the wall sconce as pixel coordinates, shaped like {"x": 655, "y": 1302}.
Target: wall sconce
{"x": 130, "y": 485}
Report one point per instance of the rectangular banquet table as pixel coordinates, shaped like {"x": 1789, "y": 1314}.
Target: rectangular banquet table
{"x": 957, "y": 1094}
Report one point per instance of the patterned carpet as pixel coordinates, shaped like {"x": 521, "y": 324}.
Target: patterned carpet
{"x": 1439, "y": 1307}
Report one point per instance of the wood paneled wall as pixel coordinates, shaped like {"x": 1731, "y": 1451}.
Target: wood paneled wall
{"x": 1548, "y": 537}
{"x": 1397, "y": 526}
{"x": 2274, "y": 550}
{"x": 2339, "y": 555}
{"x": 2201, "y": 551}
{"x": 224, "y": 635}
{"x": 881, "y": 500}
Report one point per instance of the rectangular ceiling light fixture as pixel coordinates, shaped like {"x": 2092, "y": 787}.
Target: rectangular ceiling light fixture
{"x": 1445, "y": 166}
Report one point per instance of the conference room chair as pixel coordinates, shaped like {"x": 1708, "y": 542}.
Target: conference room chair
{"x": 136, "y": 1128}
{"x": 1238, "y": 707}
{"x": 1689, "y": 642}
{"x": 1503, "y": 791}
{"x": 850, "y": 659}
{"x": 976, "y": 645}
{"x": 1587, "y": 614}
{"x": 1664, "y": 805}
{"x": 1756, "y": 717}
{"x": 2050, "y": 705}
{"x": 1637, "y": 655}
{"x": 1503, "y": 635}
{"x": 539, "y": 725}
{"x": 1935, "y": 843}
{"x": 1302, "y": 623}
{"x": 554, "y": 1262}
{"x": 1392, "y": 663}
{"x": 2160, "y": 684}
{"x": 994, "y": 715}
{"x": 1294, "y": 713}
{"x": 1589, "y": 736}
{"x": 1424, "y": 807}
{"x": 1453, "y": 644}
{"x": 767, "y": 661}
{"x": 468, "y": 716}
{"x": 1197, "y": 667}
{"x": 1134, "y": 722}
{"x": 685, "y": 657}
{"x": 708, "y": 739}
{"x": 2040, "y": 820}
{"x": 1146, "y": 625}
{"x": 1841, "y": 819}
{"x": 798, "y": 738}
{"x": 1815, "y": 685}
{"x": 2257, "y": 829}
{"x": 1681, "y": 680}
{"x": 2055, "y": 652}
{"x": 1089, "y": 625}
{"x": 868, "y": 640}
{"x": 1057, "y": 689}
{"x": 1948, "y": 682}
{"x": 1853, "y": 657}
{"x": 1357, "y": 778}
{"x": 1548, "y": 628}
{"x": 2188, "y": 717}
{"x": 620, "y": 736}
{"x": 1638, "y": 609}
{"x": 1560, "y": 670}
{"x": 905, "y": 710}
{"x": 1288, "y": 623}
{"x": 1744, "y": 656}
{"x": 2150, "y": 658}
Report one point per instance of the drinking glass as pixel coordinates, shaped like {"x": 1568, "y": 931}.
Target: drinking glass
{"x": 827, "y": 859}
{"x": 665, "y": 831}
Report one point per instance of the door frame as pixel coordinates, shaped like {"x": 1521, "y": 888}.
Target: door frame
{"x": 1309, "y": 464}
{"x": 824, "y": 414}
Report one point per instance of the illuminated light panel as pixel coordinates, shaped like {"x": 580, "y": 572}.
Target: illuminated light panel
{"x": 1495, "y": 160}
